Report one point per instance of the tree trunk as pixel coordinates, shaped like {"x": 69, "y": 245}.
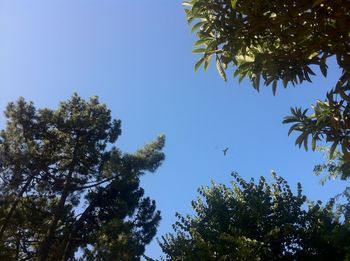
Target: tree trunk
{"x": 47, "y": 242}
{"x": 69, "y": 241}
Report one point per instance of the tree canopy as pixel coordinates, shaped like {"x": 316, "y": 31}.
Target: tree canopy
{"x": 258, "y": 221}
{"x": 282, "y": 41}
{"x": 65, "y": 187}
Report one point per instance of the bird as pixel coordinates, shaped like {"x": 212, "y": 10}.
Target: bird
{"x": 225, "y": 151}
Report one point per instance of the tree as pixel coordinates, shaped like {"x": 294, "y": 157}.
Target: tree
{"x": 65, "y": 186}
{"x": 258, "y": 221}
{"x": 282, "y": 41}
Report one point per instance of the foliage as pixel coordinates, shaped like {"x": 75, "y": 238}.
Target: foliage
{"x": 64, "y": 186}
{"x": 334, "y": 167}
{"x": 281, "y": 41}
{"x": 258, "y": 221}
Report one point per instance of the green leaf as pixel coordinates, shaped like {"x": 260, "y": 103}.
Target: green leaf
{"x": 294, "y": 127}
{"x": 300, "y": 75}
{"x": 268, "y": 81}
{"x": 305, "y": 142}
{"x": 199, "y": 50}
{"x": 196, "y": 26}
{"x": 196, "y": 7}
{"x": 220, "y": 69}
{"x": 189, "y": 20}
{"x": 285, "y": 82}
{"x": 307, "y": 76}
{"x": 207, "y": 62}
{"x": 313, "y": 55}
{"x": 323, "y": 66}
{"x": 274, "y": 87}
{"x": 199, "y": 63}
{"x": 201, "y": 41}
{"x": 256, "y": 82}
{"x": 333, "y": 147}
{"x": 237, "y": 72}
{"x": 300, "y": 139}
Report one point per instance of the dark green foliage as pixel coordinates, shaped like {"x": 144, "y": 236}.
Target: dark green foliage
{"x": 282, "y": 41}
{"x": 65, "y": 187}
{"x": 258, "y": 221}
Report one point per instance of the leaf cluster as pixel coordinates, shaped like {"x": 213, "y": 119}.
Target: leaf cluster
{"x": 330, "y": 121}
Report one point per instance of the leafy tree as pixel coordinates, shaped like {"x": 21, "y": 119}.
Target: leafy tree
{"x": 258, "y": 221}
{"x": 64, "y": 185}
{"x": 282, "y": 41}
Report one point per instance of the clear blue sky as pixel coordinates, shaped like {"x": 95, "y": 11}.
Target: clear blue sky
{"x": 136, "y": 56}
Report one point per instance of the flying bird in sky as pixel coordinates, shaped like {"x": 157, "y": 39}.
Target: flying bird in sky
{"x": 225, "y": 151}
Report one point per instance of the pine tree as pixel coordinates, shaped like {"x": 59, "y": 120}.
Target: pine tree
{"x": 65, "y": 186}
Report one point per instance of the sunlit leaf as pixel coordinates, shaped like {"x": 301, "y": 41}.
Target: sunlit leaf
{"x": 186, "y": 4}
{"x": 220, "y": 69}
{"x": 199, "y": 50}
{"x": 318, "y": 2}
{"x": 196, "y": 26}
{"x": 233, "y": 3}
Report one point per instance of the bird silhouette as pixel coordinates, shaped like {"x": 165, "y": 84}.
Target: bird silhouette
{"x": 225, "y": 151}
